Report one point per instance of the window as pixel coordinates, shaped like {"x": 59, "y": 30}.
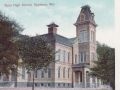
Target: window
{"x": 68, "y": 56}
{"x": 23, "y": 72}
{"x": 92, "y": 56}
{"x": 68, "y": 84}
{"x": 92, "y": 18}
{"x": 63, "y": 56}
{"x": 42, "y": 73}
{"x": 64, "y": 72}
{"x": 48, "y": 84}
{"x": 83, "y": 36}
{"x": 80, "y": 76}
{"x": 92, "y": 36}
{"x": 83, "y": 57}
{"x": 49, "y": 72}
{"x": 41, "y": 84}
{"x": 59, "y": 52}
{"x": 35, "y": 84}
{"x": 75, "y": 58}
{"x": 58, "y": 84}
{"x": 58, "y": 72}
{"x": 64, "y": 85}
{"x": 82, "y": 18}
{"x": 69, "y": 73}
{"x": 35, "y": 73}
{"x": 93, "y": 79}
{"x": 0, "y": 75}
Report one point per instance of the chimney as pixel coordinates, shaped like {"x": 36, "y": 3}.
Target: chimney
{"x": 52, "y": 28}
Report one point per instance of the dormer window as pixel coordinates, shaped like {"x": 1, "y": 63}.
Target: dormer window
{"x": 82, "y": 18}
{"x": 92, "y": 17}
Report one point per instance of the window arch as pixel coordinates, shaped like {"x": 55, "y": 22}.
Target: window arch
{"x": 58, "y": 72}
{"x": 83, "y": 36}
{"x": 64, "y": 72}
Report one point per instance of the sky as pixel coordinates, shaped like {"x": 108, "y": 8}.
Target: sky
{"x": 64, "y": 13}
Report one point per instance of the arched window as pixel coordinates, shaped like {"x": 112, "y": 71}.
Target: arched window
{"x": 83, "y": 36}
{"x": 58, "y": 72}
{"x": 75, "y": 58}
{"x": 49, "y": 72}
{"x": 35, "y": 73}
{"x": 69, "y": 73}
{"x": 59, "y": 53}
{"x": 64, "y": 72}
{"x": 82, "y": 18}
{"x": 42, "y": 73}
{"x": 92, "y": 56}
{"x": 92, "y": 36}
{"x": 68, "y": 56}
{"x": 23, "y": 72}
{"x": 87, "y": 76}
{"x": 64, "y": 56}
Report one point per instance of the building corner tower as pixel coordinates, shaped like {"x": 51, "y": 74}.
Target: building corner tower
{"x": 86, "y": 35}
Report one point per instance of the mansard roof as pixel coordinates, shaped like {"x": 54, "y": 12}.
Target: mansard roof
{"x": 87, "y": 12}
{"x": 53, "y": 37}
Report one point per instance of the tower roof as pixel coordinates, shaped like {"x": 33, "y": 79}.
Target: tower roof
{"x": 88, "y": 15}
{"x": 86, "y": 6}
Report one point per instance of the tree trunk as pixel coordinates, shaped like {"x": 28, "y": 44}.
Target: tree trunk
{"x": 33, "y": 80}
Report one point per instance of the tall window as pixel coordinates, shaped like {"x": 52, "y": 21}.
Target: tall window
{"x": 92, "y": 56}
{"x": 59, "y": 52}
{"x": 49, "y": 72}
{"x": 68, "y": 56}
{"x": 35, "y": 73}
{"x": 64, "y": 72}
{"x": 63, "y": 56}
{"x": 80, "y": 76}
{"x": 69, "y": 73}
{"x": 83, "y": 36}
{"x": 23, "y": 72}
{"x": 83, "y": 56}
{"x": 58, "y": 72}
{"x": 92, "y": 36}
{"x": 42, "y": 73}
{"x": 75, "y": 58}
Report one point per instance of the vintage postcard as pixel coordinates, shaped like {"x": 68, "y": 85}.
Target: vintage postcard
{"x": 75, "y": 29}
